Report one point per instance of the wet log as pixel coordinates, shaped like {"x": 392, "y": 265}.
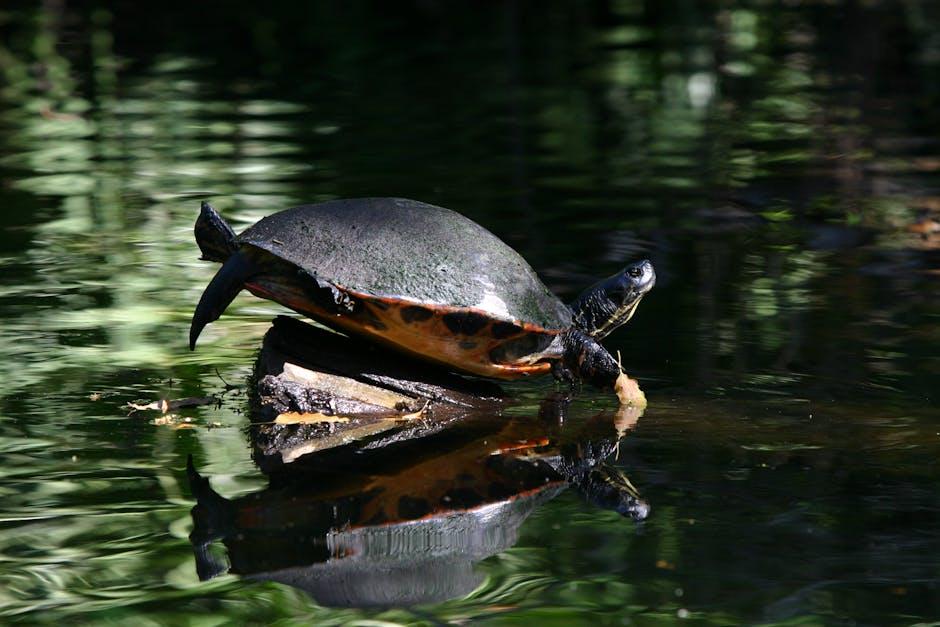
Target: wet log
{"x": 405, "y": 522}
{"x": 317, "y": 390}
{"x": 314, "y": 348}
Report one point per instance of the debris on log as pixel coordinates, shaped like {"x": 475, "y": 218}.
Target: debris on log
{"x": 293, "y": 418}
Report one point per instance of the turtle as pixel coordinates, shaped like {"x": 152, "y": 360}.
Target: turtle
{"x": 423, "y": 280}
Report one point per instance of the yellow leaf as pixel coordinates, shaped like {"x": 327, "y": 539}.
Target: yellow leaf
{"x": 629, "y": 392}
{"x": 292, "y": 418}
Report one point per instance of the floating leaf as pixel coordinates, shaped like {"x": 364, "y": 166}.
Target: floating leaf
{"x": 164, "y": 405}
{"x": 629, "y": 392}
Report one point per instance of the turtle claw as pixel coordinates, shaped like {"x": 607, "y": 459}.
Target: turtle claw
{"x": 563, "y": 374}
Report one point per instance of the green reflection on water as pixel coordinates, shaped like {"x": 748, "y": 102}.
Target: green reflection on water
{"x": 765, "y": 161}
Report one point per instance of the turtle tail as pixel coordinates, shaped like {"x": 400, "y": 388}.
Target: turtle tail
{"x": 215, "y": 237}
{"x": 221, "y": 291}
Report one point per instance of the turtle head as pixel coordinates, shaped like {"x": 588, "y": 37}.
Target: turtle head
{"x": 611, "y": 302}
{"x": 609, "y": 488}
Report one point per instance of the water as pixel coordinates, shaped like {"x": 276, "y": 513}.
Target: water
{"x": 769, "y": 159}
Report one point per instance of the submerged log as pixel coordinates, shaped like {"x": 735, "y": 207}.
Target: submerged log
{"x": 314, "y": 348}
{"x": 405, "y": 522}
{"x": 316, "y": 390}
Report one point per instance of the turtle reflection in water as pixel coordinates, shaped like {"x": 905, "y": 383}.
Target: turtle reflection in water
{"x": 403, "y": 524}
{"x": 422, "y": 280}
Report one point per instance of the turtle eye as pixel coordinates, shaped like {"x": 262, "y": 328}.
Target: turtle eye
{"x": 634, "y": 272}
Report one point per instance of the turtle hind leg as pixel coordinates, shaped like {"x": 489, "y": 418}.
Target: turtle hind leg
{"x": 215, "y": 237}
{"x": 221, "y": 291}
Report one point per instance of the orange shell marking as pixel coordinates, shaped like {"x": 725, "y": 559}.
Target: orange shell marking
{"x": 461, "y": 338}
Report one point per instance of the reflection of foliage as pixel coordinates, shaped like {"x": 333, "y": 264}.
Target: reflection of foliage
{"x": 117, "y": 259}
{"x": 550, "y": 122}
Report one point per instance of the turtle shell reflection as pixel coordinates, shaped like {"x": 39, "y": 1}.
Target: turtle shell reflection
{"x": 404, "y": 524}
{"x": 370, "y": 508}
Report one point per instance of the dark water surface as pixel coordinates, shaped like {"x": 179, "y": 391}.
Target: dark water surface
{"x": 771, "y": 159}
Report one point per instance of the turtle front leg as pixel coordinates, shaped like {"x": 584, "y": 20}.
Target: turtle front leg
{"x": 588, "y": 361}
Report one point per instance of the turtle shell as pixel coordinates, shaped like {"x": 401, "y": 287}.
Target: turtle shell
{"x": 403, "y": 249}
{"x": 421, "y": 278}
